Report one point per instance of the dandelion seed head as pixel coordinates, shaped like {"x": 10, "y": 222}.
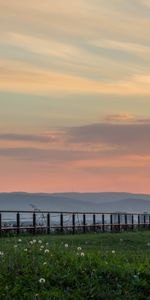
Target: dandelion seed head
{"x": 42, "y": 280}
{"x": 46, "y": 251}
{"x": 79, "y": 248}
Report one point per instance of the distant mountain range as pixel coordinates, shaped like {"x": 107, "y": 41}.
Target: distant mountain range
{"x": 95, "y": 202}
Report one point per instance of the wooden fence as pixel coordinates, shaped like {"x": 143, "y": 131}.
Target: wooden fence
{"x": 43, "y": 222}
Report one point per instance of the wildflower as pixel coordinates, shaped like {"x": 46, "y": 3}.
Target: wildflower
{"x": 148, "y": 244}
{"x": 79, "y": 248}
{"x": 47, "y": 244}
{"x": 42, "y": 280}
{"x": 40, "y": 242}
{"x": 31, "y": 242}
{"x": 82, "y": 254}
{"x": 1, "y": 253}
{"x": 44, "y": 263}
{"x": 42, "y": 247}
{"x": 46, "y": 251}
{"x": 19, "y": 240}
{"x": 25, "y": 250}
{"x": 15, "y": 246}
{"x": 113, "y": 251}
{"x": 34, "y": 241}
{"x": 66, "y": 245}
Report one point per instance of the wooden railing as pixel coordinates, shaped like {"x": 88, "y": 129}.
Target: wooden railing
{"x": 43, "y": 221}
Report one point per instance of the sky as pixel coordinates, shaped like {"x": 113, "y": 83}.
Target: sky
{"x": 75, "y": 95}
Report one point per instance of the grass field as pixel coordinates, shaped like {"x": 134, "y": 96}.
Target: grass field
{"x": 85, "y": 266}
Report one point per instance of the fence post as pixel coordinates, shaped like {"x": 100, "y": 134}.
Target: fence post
{"x": 111, "y": 222}
{"x": 119, "y": 222}
{"x": 126, "y": 221}
{"x": 61, "y": 223}
{"x": 84, "y": 223}
{"x": 73, "y": 223}
{"x": 103, "y": 222}
{"x": 139, "y": 221}
{"x": 132, "y": 222}
{"x": 48, "y": 223}
{"x": 0, "y": 224}
{"x": 144, "y": 221}
{"x": 18, "y": 222}
{"x": 34, "y": 223}
{"x": 94, "y": 222}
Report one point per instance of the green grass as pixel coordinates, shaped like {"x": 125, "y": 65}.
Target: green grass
{"x": 107, "y": 267}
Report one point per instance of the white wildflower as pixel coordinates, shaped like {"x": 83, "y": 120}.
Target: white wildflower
{"x": 15, "y": 246}
{"x": 82, "y": 254}
{"x": 46, "y": 251}
{"x": 66, "y": 245}
{"x": 1, "y": 253}
{"x": 42, "y": 280}
{"x": 40, "y": 242}
{"x": 19, "y": 240}
{"x": 25, "y": 250}
{"x": 34, "y": 241}
{"x": 79, "y": 248}
{"x": 113, "y": 251}
{"x": 44, "y": 263}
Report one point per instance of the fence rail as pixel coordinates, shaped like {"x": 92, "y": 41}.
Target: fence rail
{"x": 57, "y": 221}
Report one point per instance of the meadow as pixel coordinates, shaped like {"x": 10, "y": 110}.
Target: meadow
{"x": 100, "y": 266}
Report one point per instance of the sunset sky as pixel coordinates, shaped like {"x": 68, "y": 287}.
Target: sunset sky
{"x": 75, "y": 95}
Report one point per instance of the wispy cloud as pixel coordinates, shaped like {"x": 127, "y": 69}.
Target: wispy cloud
{"x": 124, "y": 117}
{"x": 77, "y": 46}
{"x": 137, "y": 49}
{"x": 75, "y": 62}
{"x": 20, "y": 77}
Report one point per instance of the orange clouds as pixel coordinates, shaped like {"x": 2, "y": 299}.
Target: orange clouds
{"x": 19, "y": 77}
{"x": 125, "y": 117}
{"x": 74, "y": 62}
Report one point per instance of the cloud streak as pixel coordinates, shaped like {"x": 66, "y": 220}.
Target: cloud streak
{"x": 74, "y": 79}
{"x": 18, "y": 77}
